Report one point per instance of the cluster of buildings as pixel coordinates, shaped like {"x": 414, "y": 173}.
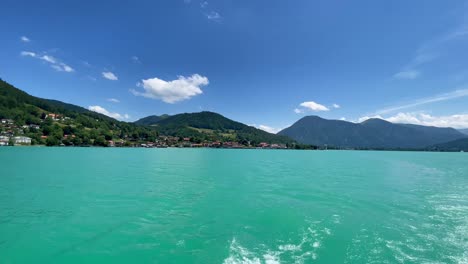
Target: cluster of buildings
{"x": 57, "y": 117}
{"x": 9, "y": 130}
{"x": 18, "y": 140}
{"x": 168, "y": 141}
{"x": 12, "y": 134}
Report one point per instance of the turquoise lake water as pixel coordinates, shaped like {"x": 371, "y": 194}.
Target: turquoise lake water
{"x": 104, "y": 205}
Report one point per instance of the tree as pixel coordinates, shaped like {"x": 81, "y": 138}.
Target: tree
{"x": 52, "y": 141}
{"x": 100, "y": 141}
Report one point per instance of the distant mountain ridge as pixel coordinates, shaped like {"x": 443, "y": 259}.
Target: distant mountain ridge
{"x": 372, "y": 133}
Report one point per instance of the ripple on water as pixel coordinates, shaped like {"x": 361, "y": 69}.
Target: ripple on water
{"x": 440, "y": 235}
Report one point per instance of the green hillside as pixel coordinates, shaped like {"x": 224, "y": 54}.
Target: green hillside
{"x": 73, "y": 125}
{"x": 150, "y": 120}
{"x": 209, "y": 126}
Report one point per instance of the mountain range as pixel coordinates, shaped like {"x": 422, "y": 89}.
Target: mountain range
{"x": 372, "y": 133}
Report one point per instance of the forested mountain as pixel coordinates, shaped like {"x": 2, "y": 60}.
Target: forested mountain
{"x": 372, "y": 133}
{"x": 212, "y": 126}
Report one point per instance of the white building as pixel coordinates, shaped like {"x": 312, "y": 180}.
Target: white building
{"x": 7, "y": 121}
{"x": 22, "y": 140}
{"x": 4, "y": 140}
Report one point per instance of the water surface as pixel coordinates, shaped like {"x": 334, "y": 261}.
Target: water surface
{"x": 103, "y": 205}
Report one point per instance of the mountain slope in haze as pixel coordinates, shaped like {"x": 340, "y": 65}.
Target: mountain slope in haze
{"x": 213, "y": 126}
{"x": 454, "y": 145}
{"x": 464, "y": 131}
{"x": 150, "y": 120}
{"x": 372, "y": 133}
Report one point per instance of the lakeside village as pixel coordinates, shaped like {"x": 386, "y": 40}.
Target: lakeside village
{"x": 12, "y": 134}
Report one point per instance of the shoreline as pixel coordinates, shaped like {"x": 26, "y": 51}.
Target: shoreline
{"x": 246, "y": 148}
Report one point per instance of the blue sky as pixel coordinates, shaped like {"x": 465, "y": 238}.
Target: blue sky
{"x": 264, "y": 63}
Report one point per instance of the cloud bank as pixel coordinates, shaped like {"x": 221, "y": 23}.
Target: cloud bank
{"x": 455, "y": 121}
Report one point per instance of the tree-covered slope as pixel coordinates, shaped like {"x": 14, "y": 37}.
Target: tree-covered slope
{"x": 454, "y": 145}
{"x": 213, "y": 126}
{"x": 150, "y": 120}
{"x": 83, "y": 126}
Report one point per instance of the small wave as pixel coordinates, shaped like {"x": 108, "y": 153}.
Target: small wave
{"x": 310, "y": 243}
{"x": 289, "y": 247}
{"x": 240, "y": 255}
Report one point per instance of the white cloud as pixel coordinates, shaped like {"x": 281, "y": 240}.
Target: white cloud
{"x": 53, "y": 62}
{"x": 110, "y": 76}
{"x": 343, "y": 119}
{"x": 214, "y": 16}
{"x": 28, "y": 53}
{"x": 204, "y": 4}
{"x": 62, "y": 67}
{"x": 336, "y": 106}
{"x": 409, "y": 74}
{"x": 437, "y": 98}
{"x": 266, "y": 128}
{"x": 25, "y": 39}
{"x": 313, "y": 106}
{"x": 269, "y": 129}
{"x": 298, "y": 111}
{"x": 49, "y": 59}
{"x": 135, "y": 59}
{"x": 67, "y": 68}
{"x": 113, "y": 100}
{"x": 102, "y": 110}
{"x": 172, "y": 91}
{"x": 455, "y": 121}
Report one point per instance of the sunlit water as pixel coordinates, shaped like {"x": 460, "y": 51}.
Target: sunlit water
{"x": 102, "y": 205}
